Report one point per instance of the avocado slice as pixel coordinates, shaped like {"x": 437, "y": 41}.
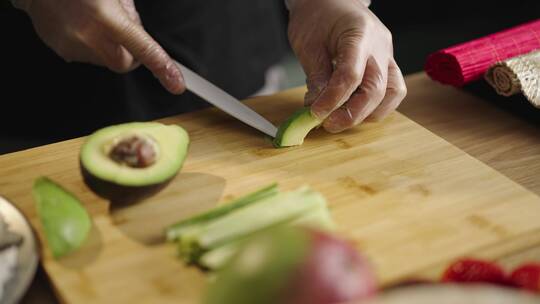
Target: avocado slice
{"x": 129, "y": 160}
{"x": 293, "y": 131}
{"x": 65, "y": 221}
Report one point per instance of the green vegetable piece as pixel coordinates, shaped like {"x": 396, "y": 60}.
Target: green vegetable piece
{"x": 318, "y": 218}
{"x": 218, "y": 257}
{"x": 272, "y": 211}
{"x": 293, "y": 131}
{"x": 174, "y": 231}
{"x": 261, "y": 269}
{"x": 65, "y": 221}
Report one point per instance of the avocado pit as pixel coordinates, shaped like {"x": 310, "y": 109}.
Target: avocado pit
{"x": 135, "y": 151}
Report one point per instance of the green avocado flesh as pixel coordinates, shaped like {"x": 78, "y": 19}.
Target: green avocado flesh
{"x": 65, "y": 221}
{"x": 261, "y": 268}
{"x": 170, "y": 142}
{"x": 293, "y": 131}
{"x": 209, "y": 240}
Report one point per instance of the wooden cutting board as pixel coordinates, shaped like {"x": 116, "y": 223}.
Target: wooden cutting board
{"x": 409, "y": 200}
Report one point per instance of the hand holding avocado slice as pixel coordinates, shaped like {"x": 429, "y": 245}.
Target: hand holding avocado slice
{"x": 131, "y": 160}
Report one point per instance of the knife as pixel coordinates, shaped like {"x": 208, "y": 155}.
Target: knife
{"x": 224, "y": 101}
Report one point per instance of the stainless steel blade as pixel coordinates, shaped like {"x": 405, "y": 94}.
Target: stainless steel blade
{"x": 227, "y": 103}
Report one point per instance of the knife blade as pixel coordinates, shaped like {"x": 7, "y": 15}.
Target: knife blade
{"x": 224, "y": 101}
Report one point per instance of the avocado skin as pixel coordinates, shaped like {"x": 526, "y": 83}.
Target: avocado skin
{"x": 120, "y": 194}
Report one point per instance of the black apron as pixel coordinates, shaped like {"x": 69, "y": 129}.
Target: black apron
{"x": 231, "y": 43}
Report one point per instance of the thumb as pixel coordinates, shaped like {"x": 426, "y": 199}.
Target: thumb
{"x": 147, "y": 51}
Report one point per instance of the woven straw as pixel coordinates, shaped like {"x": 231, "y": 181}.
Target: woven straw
{"x": 518, "y": 74}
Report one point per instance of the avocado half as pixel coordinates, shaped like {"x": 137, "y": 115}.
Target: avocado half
{"x": 293, "y": 131}
{"x": 130, "y": 161}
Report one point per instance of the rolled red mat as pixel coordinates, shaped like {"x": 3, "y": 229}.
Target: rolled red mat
{"x": 466, "y": 62}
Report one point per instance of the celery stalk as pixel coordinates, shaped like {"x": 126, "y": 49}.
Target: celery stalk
{"x": 272, "y": 211}
{"x": 174, "y": 231}
{"x": 318, "y": 218}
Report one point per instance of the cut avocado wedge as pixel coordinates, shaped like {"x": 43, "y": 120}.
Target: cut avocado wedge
{"x": 122, "y": 160}
{"x": 293, "y": 131}
{"x": 65, "y": 221}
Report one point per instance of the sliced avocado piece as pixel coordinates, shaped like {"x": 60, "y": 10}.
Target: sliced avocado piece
{"x": 65, "y": 221}
{"x": 130, "y": 159}
{"x": 191, "y": 223}
{"x": 293, "y": 131}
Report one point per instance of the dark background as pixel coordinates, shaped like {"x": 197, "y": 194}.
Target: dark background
{"x": 419, "y": 28}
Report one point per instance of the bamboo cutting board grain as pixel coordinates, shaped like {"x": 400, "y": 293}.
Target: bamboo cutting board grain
{"x": 409, "y": 200}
